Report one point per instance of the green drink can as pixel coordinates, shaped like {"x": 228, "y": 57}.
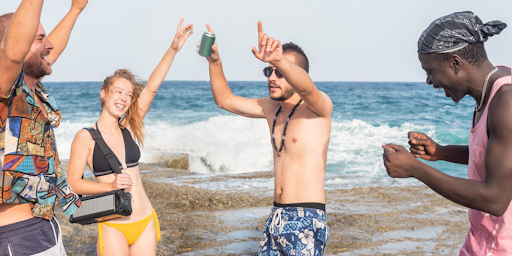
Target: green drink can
{"x": 205, "y": 49}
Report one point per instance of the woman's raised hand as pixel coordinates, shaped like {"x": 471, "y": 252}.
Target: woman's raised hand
{"x": 181, "y": 35}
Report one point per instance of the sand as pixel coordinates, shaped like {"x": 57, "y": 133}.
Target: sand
{"x": 410, "y": 220}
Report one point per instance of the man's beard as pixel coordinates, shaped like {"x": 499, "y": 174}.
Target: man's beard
{"x": 285, "y": 95}
{"x": 34, "y": 67}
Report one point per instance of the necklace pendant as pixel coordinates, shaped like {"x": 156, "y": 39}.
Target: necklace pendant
{"x": 279, "y": 154}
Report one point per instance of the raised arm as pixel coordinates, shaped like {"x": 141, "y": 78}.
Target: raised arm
{"x": 81, "y": 148}
{"x": 222, "y": 94}
{"x": 157, "y": 77}
{"x": 271, "y": 51}
{"x": 61, "y": 33}
{"x": 17, "y": 40}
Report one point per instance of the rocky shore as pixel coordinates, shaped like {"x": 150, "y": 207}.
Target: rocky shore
{"x": 409, "y": 220}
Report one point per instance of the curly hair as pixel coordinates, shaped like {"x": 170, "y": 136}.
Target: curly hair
{"x": 132, "y": 116}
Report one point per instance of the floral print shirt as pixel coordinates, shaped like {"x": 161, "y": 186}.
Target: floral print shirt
{"x": 31, "y": 171}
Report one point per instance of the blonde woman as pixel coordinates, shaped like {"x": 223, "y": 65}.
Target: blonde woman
{"x": 124, "y": 103}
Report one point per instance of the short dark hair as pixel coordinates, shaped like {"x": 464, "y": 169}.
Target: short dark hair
{"x": 474, "y": 54}
{"x": 4, "y": 21}
{"x": 302, "y": 59}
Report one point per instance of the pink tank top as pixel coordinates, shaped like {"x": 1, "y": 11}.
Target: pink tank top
{"x": 487, "y": 235}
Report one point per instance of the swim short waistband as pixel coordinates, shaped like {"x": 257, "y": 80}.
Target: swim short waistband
{"x": 35, "y": 236}
{"x": 22, "y": 227}
{"x": 318, "y": 206}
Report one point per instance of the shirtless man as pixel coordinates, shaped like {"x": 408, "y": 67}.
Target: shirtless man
{"x": 297, "y": 223}
{"x": 31, "y": 178}
{"x": 452, "y": 53}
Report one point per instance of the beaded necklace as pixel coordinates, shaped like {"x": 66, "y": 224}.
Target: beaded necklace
{"x": 285, "y": 126}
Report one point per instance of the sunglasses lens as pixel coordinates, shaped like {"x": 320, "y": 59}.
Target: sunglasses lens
{"x": 278, "y": 74}
{"x": 268, "y": 72}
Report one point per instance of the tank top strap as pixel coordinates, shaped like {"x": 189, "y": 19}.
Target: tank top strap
{"x": 497, "y": 85}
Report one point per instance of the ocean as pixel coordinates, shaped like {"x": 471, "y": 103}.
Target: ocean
{"x": 184, "y": 119}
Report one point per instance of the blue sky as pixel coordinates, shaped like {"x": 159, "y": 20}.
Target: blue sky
{"x": 364, "y": 40}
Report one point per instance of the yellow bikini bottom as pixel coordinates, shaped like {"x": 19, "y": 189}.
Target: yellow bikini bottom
{"x": 131, "y": 231}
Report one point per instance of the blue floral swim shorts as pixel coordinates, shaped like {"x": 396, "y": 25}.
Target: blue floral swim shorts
{"x": 295, "y": 231}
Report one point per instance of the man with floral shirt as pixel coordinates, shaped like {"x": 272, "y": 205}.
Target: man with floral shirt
{"x": 31, "y": 178}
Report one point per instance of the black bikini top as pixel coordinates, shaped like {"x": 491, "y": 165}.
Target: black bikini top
{"x": 132, "y": 154}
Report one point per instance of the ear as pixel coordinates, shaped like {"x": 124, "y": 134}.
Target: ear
{"x": 103, "y": 93}
{"x": 455, "y": 63}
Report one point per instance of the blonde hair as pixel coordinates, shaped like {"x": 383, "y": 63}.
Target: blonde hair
{"x": 132, "y": 116}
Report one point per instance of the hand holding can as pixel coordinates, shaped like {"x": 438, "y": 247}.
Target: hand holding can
{"x": 207, "y": 41}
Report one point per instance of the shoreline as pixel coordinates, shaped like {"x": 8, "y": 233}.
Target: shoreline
{"x": 410, "y": 220}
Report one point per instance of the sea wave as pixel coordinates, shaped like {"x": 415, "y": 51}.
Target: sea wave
{"x": 185, "y": 119}
{"x": 233, "y": 144}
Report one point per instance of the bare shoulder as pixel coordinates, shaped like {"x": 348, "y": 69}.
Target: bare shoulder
{"x": 269, "y": 105}
{"x": 83, "y": 136}
{"x": 267, "y": 101}
{"x": 500, "y": 110}
{"x": 502, "y": 98}
{"x": 506, "y": 71}
{"x": 327, "y": 99}
{"x": 82, "y": 142}
{"x": 322, "y": 106}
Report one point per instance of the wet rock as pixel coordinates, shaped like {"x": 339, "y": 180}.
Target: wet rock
{"x": 361, "y": 220}
{"x": 177, "y": 161}
{"x": 185, "y": 203}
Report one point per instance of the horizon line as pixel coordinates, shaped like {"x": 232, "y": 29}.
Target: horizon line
{"x": 245, "y": 81}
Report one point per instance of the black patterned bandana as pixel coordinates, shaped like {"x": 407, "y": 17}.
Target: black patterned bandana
{"x": 455, "y": 31}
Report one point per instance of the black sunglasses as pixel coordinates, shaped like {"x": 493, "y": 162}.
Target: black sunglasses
{"x": 268, "y": 72}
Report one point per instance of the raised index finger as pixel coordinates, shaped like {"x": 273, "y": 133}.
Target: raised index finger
{"x": 179, "y": 24}
{"x": 260, "y": 30}
{"x": 209, "y": 28}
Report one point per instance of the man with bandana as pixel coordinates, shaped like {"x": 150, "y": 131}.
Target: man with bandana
{"x": 452, "y": 53}
{"x": 31, "y": 178}
{"x": 297, "y": 224}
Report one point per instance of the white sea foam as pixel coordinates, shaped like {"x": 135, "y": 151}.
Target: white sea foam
{"x": 225, "y": 144}
{"x": 355, "y": 146}
{"x": 65, "y": 134}
{"x": 265, "y": 186}
{"x": 234, "y": 144}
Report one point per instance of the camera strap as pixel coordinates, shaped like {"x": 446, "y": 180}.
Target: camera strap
{"x": 107, "y": 152}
